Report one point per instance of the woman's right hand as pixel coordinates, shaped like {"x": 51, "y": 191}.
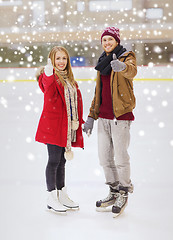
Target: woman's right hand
{"x": 48, "y": 68}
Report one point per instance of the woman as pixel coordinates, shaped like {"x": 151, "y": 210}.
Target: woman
{"x": 60, "y": 124}
{"x": 113, "y": 106}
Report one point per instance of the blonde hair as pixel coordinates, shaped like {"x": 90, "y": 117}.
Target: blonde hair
{"x": 52, "y": 54}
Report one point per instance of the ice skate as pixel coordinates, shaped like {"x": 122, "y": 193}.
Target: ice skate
{"x": 104, "y": 205}
{"x": 66, "y": 201}
{"x": 120, "y": 203}
{"x": 54, "y": 204}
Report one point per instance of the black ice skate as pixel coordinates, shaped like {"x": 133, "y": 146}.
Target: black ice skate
{"x": 102, "y": 205}
{"x": 120, "y": 203}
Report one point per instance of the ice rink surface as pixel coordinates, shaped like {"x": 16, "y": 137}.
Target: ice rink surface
{"x": 149, "y": 214}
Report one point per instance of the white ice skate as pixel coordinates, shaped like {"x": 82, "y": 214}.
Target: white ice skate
{"x": 65, "y": 200}
{"x": 54, "y": 204}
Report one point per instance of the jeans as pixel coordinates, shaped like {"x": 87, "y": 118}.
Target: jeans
{"x": 113, "y": 142}
{"x": 55, "y": 170}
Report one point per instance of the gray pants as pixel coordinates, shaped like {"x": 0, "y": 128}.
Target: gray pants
{"x": 113, "y": 142}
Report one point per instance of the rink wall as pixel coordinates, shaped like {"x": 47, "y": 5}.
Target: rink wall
{"x": 145, "y": 73}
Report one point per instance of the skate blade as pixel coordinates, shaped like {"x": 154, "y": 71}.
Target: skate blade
{"x": 71, "y": 208}
{"x": 104, "y": 209}
{"x": 118, "y": 214}
{"x": 50, "y": 209}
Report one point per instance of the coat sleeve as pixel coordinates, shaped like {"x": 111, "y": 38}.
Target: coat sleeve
{"x": 47, "y": 81}
{"x": 95, "y": 105}
{"x": 131, "y": 68}
{"x": 92, "y": 109}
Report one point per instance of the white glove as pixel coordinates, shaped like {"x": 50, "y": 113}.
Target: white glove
{"x": 48, "y": 68}
{"x": 116, "y": 65}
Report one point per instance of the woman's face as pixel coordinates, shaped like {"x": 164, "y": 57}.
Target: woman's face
{"x": 109, "y": 43}
{"x": 60, "y": 60}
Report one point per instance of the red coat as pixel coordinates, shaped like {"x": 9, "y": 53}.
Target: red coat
{"x": 53, "y": 124}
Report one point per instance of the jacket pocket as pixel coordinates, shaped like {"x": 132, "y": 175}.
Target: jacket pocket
{"x": 126, "y": 96}
{"x": 49, "y": 123}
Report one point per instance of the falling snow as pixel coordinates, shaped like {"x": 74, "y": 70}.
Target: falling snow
{"x": 23, "y": 160}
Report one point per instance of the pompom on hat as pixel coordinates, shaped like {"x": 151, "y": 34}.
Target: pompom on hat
{"x": 112, "y": 31}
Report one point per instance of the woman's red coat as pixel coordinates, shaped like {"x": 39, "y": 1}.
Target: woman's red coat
{"x": 53, "y": 124}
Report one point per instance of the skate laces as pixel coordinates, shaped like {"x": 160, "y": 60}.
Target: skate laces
{"x": 110, "y": 195}
{"x": 121, "y": 199}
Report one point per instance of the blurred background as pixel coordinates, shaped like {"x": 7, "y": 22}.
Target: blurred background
{"x": 29, "y": 29}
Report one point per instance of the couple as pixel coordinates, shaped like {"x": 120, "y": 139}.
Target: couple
{"x": 60, "y": 125}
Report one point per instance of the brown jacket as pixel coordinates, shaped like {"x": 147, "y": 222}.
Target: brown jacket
{"x": 123, "y": 98}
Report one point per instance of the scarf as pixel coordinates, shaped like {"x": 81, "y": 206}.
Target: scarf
{"x": 70, "y": 94}
{"x": 104, "y": 65}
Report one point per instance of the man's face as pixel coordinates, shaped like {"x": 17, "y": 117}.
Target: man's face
{"x": 109, "y": 43}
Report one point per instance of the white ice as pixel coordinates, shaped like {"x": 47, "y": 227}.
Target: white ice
{"x": 149, "y": 214}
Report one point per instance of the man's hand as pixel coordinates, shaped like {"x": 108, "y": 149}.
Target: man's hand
{"x": 88, "y": 126}
{"x": 116, "y": 65}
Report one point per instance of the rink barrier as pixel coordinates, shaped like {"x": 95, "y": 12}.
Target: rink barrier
{"x": 88, "y": 74}
{"x": 92, "y": 80}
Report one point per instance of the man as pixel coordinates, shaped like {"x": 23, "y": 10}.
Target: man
{"x": 112, "y": 105}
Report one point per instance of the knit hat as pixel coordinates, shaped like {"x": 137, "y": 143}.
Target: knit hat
{"x": 114, "y": 32}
